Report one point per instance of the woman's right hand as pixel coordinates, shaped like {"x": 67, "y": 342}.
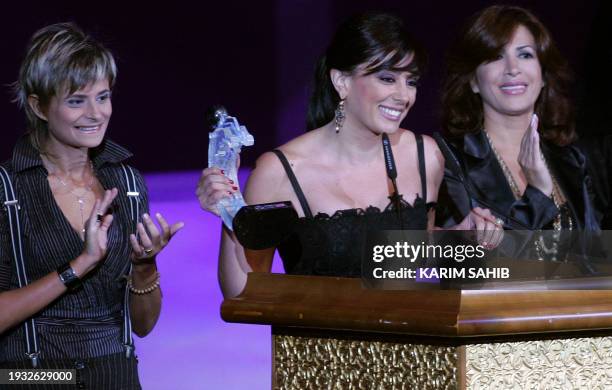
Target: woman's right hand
{"x": 212, "y": 187}
{"x": 532, "y": 161}
{"x": 96, "y": 230}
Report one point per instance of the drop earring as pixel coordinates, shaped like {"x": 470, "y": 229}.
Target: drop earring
{"x": 339, "y": 116}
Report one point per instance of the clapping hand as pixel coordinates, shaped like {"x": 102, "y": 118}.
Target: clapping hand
{"x": 96, "y": 229}
{"x": 152, "y": 241}
{"x": 532, "y": 160}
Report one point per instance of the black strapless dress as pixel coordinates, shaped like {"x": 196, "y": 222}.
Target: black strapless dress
{"x": 333, "y": 245}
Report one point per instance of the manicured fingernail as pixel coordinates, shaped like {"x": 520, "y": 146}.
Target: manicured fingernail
{"x": 145, "y": 216}
{"x": 231, "y": 181}
{"x": 223, "y": 172}
{"x": 158, "y": 215}
{"x": 235, "y": 188}
{"x": 229, "y": 192}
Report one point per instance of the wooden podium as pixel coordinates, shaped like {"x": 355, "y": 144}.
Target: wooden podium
{"x": 331, "y": 333}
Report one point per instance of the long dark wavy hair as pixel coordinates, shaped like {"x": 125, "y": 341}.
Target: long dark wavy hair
{"x": 481, "y": 40}
{"x": 377, "y": 40}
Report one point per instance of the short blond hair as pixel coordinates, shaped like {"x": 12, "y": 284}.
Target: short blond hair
{"x": 59, "y": 57}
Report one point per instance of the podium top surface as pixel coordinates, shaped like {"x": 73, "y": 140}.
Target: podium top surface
{"x": 343, "y": 304}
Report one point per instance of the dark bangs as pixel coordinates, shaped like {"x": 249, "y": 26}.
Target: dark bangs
{"x": 480, "y": 41}
{"x": 392, "y": 60}
{"x": 493, "y": 30}
{"x": 370, "y": 42}
{"x": 388, "y": 47}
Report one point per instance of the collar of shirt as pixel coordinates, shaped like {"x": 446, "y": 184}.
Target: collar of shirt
{"x": 25, "y": 156}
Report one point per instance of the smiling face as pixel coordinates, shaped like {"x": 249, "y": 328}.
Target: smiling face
{"x": 80, "y": 119}
{"x": 511, "y": 83}
{"x": 378, "y": 102}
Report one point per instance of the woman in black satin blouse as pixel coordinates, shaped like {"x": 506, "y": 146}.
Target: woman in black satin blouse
{"x": 508, "y": 117}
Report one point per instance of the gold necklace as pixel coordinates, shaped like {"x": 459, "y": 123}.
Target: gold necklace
{"x": 507, "y": 173}
{"x": 80, "y": 198}
{"x": 540, "y": 244}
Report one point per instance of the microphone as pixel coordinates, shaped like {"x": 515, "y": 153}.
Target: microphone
{"x": 392, "y": 174}
{"x": 389, "y": 161}
{"x": 455, "y": 167}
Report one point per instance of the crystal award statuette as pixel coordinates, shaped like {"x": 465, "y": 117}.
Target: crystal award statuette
{"x": 224, "y": 144}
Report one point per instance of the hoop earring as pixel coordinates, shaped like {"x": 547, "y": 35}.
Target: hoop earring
{"x": 339, "y": 116}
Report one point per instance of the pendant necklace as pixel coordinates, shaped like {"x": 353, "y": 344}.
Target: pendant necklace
{"x": 80, "y": 197}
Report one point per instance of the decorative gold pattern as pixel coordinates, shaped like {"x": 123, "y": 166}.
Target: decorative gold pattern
{"x": 328, "y": 363}
{"x": 584, "y": 363}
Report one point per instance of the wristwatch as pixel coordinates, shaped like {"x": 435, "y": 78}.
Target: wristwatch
{"x": 68, "y": 277}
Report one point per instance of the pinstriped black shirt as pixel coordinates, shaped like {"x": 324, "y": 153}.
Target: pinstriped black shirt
{"x": 49, "y": 241}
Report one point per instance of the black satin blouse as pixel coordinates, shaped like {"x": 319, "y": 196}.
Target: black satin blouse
{"x": 598, "y": 153}
{"x": 533, "y": 210}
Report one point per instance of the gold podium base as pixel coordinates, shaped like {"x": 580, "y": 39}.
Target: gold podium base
{"x": 331, "y": 333}
{"x": 579, "y": 363}
{"x": 304, "y": 362}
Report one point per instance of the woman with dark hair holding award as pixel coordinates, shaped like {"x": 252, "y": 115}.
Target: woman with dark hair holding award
{"x": 77, "y": 264}
{"x": 334, "y": 175}
{"x": 509, "y": 118}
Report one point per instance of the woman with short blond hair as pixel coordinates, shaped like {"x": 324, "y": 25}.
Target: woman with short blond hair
{"x": 88, "y": 274}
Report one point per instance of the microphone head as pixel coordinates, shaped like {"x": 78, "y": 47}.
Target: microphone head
{"x": 214, "y": 115}
{"x": 389, "y": 161}
{"x": 266, "y": 225}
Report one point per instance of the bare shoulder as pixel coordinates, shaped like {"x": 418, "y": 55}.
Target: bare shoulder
{"x": 433, "y": 157}
{"x": 408, "y": 138}
{"x": 302, "y": 147}
{"x": 405, "y": 137}
{"x": 432, "y": 152}
{"x": 300, "y": 150}
{"x": 269, "y": 181}
{"x": 434, "y": 162}
{"x": 265, "y": 179}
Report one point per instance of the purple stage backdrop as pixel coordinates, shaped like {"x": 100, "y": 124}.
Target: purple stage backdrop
{"x": 192, "y": 347}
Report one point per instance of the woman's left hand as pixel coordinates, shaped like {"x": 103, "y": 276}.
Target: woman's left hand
{"x": 489, "y": 230}
{"x": 532, "y": 161}
{"x": 152, "y": 241}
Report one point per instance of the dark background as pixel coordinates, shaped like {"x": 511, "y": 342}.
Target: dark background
{"x": 257, "y": 58}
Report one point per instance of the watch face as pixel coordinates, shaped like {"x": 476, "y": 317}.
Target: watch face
{"x": 68, "y": 277}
